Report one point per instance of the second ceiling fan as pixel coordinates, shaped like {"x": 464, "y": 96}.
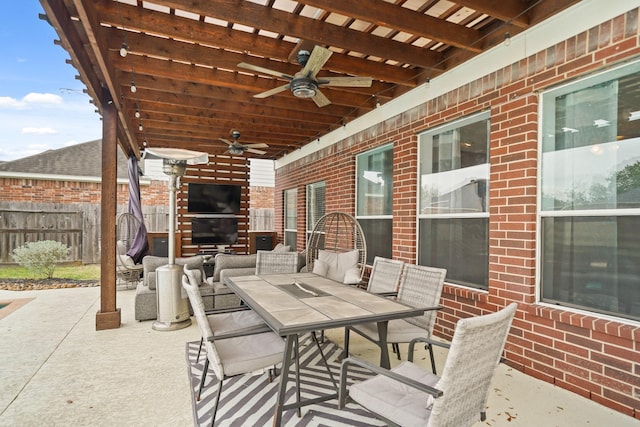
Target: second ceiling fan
{"x": 238, "y": 149}
{"x": 305, "y": 83}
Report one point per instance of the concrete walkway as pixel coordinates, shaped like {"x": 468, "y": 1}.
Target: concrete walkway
{"x": 57, "y": 370}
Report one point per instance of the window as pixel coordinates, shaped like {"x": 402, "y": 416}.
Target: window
{"x": 590, "y": 194}
{"x": 374, "y": 199}
{"x": 453, "y": 216}
{"x": 315, "y": 204}
{"x": 291, "y": 218}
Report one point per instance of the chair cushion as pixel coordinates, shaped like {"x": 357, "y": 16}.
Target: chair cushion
{"x": 398, "y": 330}
{"x": 339, "y": 263}
{"x": 398, "y": 402}
{"x": 249, "y": 353}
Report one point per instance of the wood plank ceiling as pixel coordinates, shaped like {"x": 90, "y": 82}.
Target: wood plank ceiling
{"x": 182, "y": 57}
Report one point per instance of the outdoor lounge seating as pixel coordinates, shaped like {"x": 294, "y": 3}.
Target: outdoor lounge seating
{"x": 420, "y": 286}
{"x": 233, "y": 348}
{"x": 410, "y": 396}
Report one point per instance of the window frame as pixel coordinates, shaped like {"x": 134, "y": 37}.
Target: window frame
{"x": 546, "y": 97}
{"x": 312, "y": 188}
{"x": 359, "y": 158}
{"x": 481, "y": 116}
{"x": 291, "y": 192}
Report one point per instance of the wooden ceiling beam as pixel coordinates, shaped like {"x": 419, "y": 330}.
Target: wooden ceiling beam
{"x": 175, "y": 70}
{"x": 224, "y": 128}
{"x": 174, "y": 27}
{"x": 207, "y": 108}
{"x": 509, "y": 11}
{"x": 281, "y": 22}
{"x": 232, "y": 120}
{"x": 389, "y": 15}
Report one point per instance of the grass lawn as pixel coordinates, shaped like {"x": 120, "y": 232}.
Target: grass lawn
{"x": 75, "y": 272}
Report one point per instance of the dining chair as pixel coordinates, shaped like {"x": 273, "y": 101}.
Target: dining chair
{"x": 268, "y": 262}
{"x": 420, "y": 287}
{"x": 233, "y": 348}
{"x": 385, "y": 275}
{"x": 226, "y": 319}
{"x": 409, "y": 395}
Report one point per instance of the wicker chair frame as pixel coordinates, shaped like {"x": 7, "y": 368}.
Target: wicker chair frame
{"x": 337, "y": 232}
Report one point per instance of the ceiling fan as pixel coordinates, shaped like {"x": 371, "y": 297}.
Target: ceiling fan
{"x": 238, "y": 149}
{"x": 305, "y": 83}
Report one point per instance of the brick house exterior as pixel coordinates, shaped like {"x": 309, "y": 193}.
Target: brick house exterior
{"x": 595, "y": 356}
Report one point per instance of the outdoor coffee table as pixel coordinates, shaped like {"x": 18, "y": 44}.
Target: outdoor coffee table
{"x": 294, "y": 304}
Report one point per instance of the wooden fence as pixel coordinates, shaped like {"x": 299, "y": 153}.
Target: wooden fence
{"x": 78, "y": 226}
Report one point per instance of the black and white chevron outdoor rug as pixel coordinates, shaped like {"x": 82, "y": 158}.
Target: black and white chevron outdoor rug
{"x": 248, "y": 400}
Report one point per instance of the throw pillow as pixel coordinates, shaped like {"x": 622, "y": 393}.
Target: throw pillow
{"x": 282, "y": 248}
{"x": 339, "y": 263}
{"x": 352, "y": 276}
{"x": 320, "y": 267}
{"x": 127, "y": 261}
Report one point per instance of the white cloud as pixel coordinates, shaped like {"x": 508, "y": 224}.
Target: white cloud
{"x": 32, "y": 99}
{"x": 8, "y": 102}
{"x": 38, "y": 131}
{"x": 42, "y": 98}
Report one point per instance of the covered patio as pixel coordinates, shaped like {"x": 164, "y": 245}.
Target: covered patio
{"x": 511, "y": 90}
{"x": 58, "y": 371}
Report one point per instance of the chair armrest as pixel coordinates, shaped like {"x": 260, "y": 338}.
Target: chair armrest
{"x": 425, "y": 340}
{"x": 227, "y": 309}
{"x": 342, "y": 392}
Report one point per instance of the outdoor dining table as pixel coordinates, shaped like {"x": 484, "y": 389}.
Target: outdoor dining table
{"x": 298, "y": 303}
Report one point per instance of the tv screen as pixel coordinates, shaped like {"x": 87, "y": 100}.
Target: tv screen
{"x": 213, "y": 198}
{"x": 214, "y": 231}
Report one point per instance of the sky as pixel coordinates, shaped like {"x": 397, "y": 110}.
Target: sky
{"x": 42, "y": 105}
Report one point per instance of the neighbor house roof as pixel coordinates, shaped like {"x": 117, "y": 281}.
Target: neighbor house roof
{"x": 81, "y": 160}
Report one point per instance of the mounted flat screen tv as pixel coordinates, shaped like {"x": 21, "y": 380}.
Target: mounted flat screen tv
{"x": 214, "y": 231}
{"x": 213, "y": 198}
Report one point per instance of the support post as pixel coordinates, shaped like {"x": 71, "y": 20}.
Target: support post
{"x": 109, "y": 316}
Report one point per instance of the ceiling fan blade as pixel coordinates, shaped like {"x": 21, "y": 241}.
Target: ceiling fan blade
{"x": 318, "y": 58}
{"x": 272, "y": 91}
{"x": 227, "y": 141}
{"x": 321, "y": 100}
{"x": 257, "y": 145}
{"x": 254, "y": 151}
{"x": 345, "y": 81}
{"x": 263, "y": 70}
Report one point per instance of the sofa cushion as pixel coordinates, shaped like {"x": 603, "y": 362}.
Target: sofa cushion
{"x": 229, "y": 261}
{"x": 150, "y": 263}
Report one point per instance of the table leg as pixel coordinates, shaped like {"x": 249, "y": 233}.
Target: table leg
{"x": 384, "y": 350}
{"x": 284, "y": 374}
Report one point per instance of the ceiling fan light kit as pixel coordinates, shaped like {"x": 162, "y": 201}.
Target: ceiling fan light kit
{"x": 304, "y": 87}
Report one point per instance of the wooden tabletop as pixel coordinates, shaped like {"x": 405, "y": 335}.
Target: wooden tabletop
{"x": 318, "y": 303}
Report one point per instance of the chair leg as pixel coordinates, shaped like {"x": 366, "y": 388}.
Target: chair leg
{"x": 433, "y": 360}
{"x": 297, "y": 357}
{"x": 396, "y": 349}
{"x": 204, "y": 376}
{"x": 199, "y": 349}
{"x": 215, "y": 404}
{"x": 345, "y": 344}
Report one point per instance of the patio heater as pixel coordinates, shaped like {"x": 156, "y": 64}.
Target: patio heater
{"x": 172, "y": 302}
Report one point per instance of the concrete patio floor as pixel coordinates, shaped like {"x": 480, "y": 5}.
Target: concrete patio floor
{"x": 56, "y": 369}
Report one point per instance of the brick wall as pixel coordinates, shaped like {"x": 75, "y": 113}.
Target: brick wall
{"x": 595, "y": 357}
{"x": 71, "y": 192}
{"x": 260, "y": 197}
